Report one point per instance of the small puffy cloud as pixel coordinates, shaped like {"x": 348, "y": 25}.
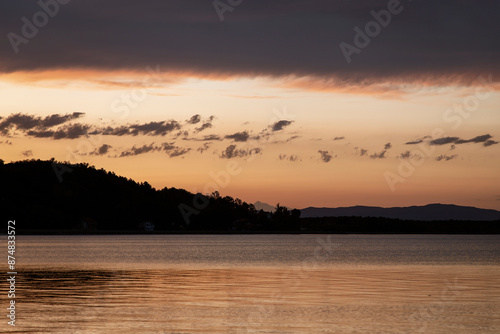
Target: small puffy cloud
{"x": 204, "y": 147}
{"x": 27, "y": 153}
{"x": 204, "y": 126}
{"x": 444, "y": 157}
{"x": 195, "y": 119}
{"x": 102, "y": 150}
{"x": 408, "y": 155}
{"x": 239, "y": 136}
{"x": 178, "y": 151}
{"x": 280, "y": 125}
{"x": 292, "y": 157}
{"x": 325, "y": 156}
{"x": 380, "y": 155}
{"x": 173, "y": 150}
{"x": 361, "y": 151}
{"x": 387, "y": 146}
{"x": 233, "y": 152}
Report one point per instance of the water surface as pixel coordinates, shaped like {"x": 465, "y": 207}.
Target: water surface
{"x": 257, "y": 284}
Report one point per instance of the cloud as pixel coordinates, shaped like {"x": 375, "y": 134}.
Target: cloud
{"x": 102, "y": 150}
{"x": 26, "y": 122}
{"x": 204, "y": 126}
{"x": 155, "y": 128}
{"x": 444, "y": 141}
{"x": 292, "y": 157}
{"x": 233, "y": 152}
{"x": 444, "y": 157}
{"x": 361, "y": 151}
{"x": 387, "y": 146}
{"x": 195, "y": 119}
{"x": 239, "y": 136}
{"x": 40, "y": 134}
{"x": 204, "y": 147}
{"x": 72, "y": 131}
{"x": 27, "y": 153}
{"x": 280, "y": 125}
{"x": 418, "y": 141}
{"x": 309, "y": 34}
{"x": 292, "y": 138}
{"x": 205, "y": 138}
{"x": 160, "y": 128}
{"x": 140, "y": 150}
{"x": 478, "y": 139}
{"x": 485, "y": 139}
{"x": 339, "y": 138}
{"x": 489, "y": 143}
{"x": 380, "y": 155}
{"x": 174, "y": 151}
{"x": 325, "y": 156}
{"x": 408, "y": 155}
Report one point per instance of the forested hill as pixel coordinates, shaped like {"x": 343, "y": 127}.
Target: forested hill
{"x": 48, "y": 195}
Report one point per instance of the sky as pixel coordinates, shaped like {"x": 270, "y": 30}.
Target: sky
{"x": 298, "y": 102}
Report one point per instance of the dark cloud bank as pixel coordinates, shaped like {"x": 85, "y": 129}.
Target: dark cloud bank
{"x": 300, "y": 37}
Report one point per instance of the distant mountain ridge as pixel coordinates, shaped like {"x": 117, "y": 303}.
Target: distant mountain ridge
{"x": 426, "y": 213}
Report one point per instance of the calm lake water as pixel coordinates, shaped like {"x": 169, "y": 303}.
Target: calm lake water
{"x": 256, "y": 284}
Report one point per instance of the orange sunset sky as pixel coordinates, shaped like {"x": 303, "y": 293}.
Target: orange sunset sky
{"x": 263, "y": 105}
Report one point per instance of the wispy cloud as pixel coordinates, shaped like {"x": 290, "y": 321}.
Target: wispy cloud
{"x": 380, "y": 155}
{"x": 239, "y": 136}
{"x": 484, "y": 139}
{"x": 444, "y": 157}
{"x": 27, "y": 153}
{"x": 26, "y": 122}
{"x": 291, "y": 157}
